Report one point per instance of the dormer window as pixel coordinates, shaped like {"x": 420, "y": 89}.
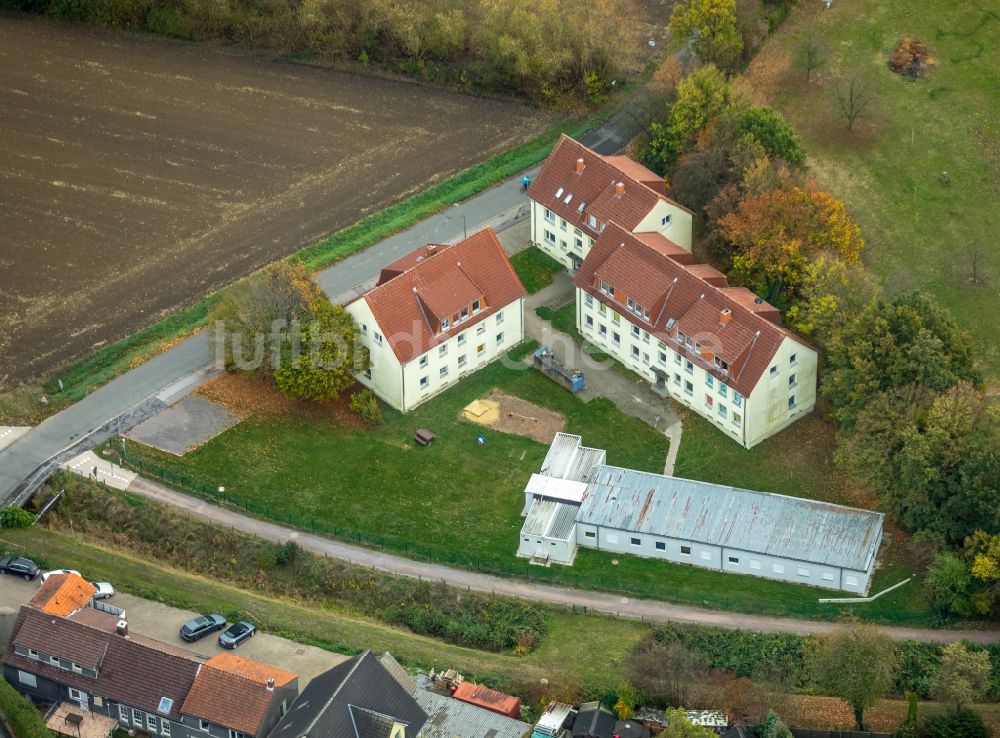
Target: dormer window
{"x": 607, "y": 288}
{"x": 475, "y": 307}
{"x": 592, "y": 221}
{"x": 680, "y": 337}
{"x": 464, "y": 315}
{"x": 720, "y": 364}
{"x": 445, "y": 325}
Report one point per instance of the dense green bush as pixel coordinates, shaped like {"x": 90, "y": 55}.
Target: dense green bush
{"x": 962, "y": 724}
{"x": 467, "y": 619}
{"x": 24, "y": 720}
{"x": 15, "y": 517}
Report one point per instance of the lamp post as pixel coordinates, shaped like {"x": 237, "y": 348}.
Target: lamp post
{"x": 465, "y": 229}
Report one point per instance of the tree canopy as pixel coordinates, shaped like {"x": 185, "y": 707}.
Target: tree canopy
{"x": 678, "y": 726}
{"x": 774, "y": 134}
{"x": 858, "y": 665}
{"x": 964, "y": 675}
{"x": 710, "y": 27}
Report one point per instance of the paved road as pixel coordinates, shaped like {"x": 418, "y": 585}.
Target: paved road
{"x": 134, "y": 394}
{"x": 645, "y": 609}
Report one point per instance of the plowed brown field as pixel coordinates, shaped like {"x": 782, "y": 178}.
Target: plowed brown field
{"x": 137, "y": 174}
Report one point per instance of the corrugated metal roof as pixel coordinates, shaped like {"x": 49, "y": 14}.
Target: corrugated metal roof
{"x": 449, "y": 717}
{"x": 555, "y": 488}
{"x": 567, "y": 459}
{"x": 761, "y": 522}
{"x": 551, "y": 519}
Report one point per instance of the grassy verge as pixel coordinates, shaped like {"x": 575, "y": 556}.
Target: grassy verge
{"x": 375, "y": 488}
{"x": 23, "y": 406}
{"x": 535, "y": 268}
{"x": 594, "y": 669}
{"x": 923, "y": 231}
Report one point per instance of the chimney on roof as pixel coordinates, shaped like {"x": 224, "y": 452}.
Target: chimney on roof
{"x": 619, "y": 189}
{"x": 121, "y": 627}
{"x": 270, "y": 684}
{"x": 580, "y": 165}
{"x": 725, "y": 316}
{"x": 431, "y": 249}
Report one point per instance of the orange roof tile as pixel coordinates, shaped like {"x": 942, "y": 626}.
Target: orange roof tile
{"x": 680, "y": 298}
{"x": 477, "y": 694}
{"x": 232, "y": 691}
{"x": 409, "y": 307}
{"x": 62, "y": 594}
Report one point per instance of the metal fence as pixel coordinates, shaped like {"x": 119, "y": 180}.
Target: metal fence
{"x": 560, "y": 576}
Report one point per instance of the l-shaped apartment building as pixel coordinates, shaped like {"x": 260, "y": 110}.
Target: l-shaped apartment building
{"x": 719, "y": 350}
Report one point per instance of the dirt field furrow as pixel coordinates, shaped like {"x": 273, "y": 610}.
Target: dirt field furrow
{"x": 137, "y": 174}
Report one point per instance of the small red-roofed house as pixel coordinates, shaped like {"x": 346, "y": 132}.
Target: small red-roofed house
{"x": 436, "y": 315}
{"x": 489, "y": 699}
{"x": 578, "y": 192}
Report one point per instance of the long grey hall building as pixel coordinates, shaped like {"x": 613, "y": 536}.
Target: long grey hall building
{"x": 579, "y": 500}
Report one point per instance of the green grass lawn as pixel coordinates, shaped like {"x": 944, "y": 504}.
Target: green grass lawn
{"x": 920, "y": 233}
{"x": 535, "y": 268}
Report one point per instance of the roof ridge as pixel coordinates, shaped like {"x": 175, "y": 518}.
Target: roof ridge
{"x": 334, "y": 693}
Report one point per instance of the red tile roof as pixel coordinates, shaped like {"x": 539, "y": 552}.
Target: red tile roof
{"x": 409, "y": 307}
{"x": 232, "y": 691}
{"x": 662, "y": 244}
{"x": 62, "y": 594}
{"x": 595, "y": 187}
{"x": 680, "y": 299}
{"x": 476, "y": 694}
{"x": 409, "y": 261}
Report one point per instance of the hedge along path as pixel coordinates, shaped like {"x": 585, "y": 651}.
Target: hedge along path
{"x": 645, "y": 610}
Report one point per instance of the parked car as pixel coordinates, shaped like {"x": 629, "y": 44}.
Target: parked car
{"x": 236, "y": 633}
{"x": 104, "y": 590}
{"x": 48, "y": 574}
{"x": 201, "y": 626}
{"x": 19, "y": 567}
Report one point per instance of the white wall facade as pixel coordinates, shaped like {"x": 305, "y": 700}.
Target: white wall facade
{"x": 669, "y": 220}
{"x": 747, "y": 420}
{"x": 558, "y": 550}
{"x": 722, "y": 558}
{"x": 405, "y": 386}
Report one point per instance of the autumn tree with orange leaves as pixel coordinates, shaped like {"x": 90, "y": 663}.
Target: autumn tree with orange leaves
{"x": 778, "y": 234}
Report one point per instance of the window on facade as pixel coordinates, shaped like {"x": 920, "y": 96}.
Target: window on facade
{"x": 689, "y": 367}
{"x": 721, "y": 364}
{"x": 616, "y": 318}
{"x": 499, "y": 318}
{"x": 423, "y": 362}
{"x": 499, "y": 338}
{"x": 662, "y": 357}
{"x": 774, "y": 372}
{"x": 165, "y": 727}
{"x": 734, "y": 559}
{"x": 778, "y": 568}
{"x": 677, "y": 359}
{"x": 677, "y": 378}
{"x": 686, "y": 550}
{"x": 589, "y": 534}
{"x": 480, "y": 329}
{"x": 635, "y": 352}
{"x": 578, "y": 244}
{"x": 802, "y": 571}
{"x": 709, "y": 401}
{"x": 791, "y": 401}
{"x": 661, "y": 546}
{"x": 792, "y": 359}
{"x": 461, "y": 361}
{"x": 425, "y": 382}
{"x": 480, "y": 349}
{"x": 616, "y": 338}
{"x": 203, "y": 725}
{"x": 709, "y": 380}
{"x": 549, "y": 215}
{"x": 602, "y": 308}
{"x": 367, "y": 373}
{"x": 645, "y": 337}
{"x": 461, "y": 339}
{"x": 589, "y": 321}
{"x": 635, "y": 331}
{"x": 697, "y": 348}
{"x": 737, "y": 418}
{"x": 364, "y": 329}
{"x": 723, "y": 389}
{"x": 443, "y": 349}
{"x": 151, "y": 723}
{"x": 588, "y": 300}
{"x": 562, "y": 224}
{"x": 445, "y": 325}
{"x": 602, "y": 329}
{"x": 689, "y": 388}
{"x": 137, "y": 718}
{"x": 443, "y": 372}
{"x": 827, "y": 576}
{"x": 378, "y": 338}
{"x": 123, "y": 713}
{"x": 562, "y": 244}
{"x": 635, "y": 541}
{"x": 665, "y": 221}
{"x": 550, "y": 237}
{"x": 737, "y": 398}
{"x": 791, "y": 380}
{"x": 29, "y": 680}
{"x": 723, "y": 411}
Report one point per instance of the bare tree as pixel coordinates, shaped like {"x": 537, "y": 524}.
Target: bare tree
{"x": 810, "y": 55}
{"x": 854, "y": 96}
{"x": 665, "y": 674}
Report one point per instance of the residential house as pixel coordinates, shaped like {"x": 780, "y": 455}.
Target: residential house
{"x": 448, "y": 717}
{"x": 359, "y": 698}
{"x": 690, "y": 522}
{"x": 578, "y": 193}
{"x": 62, "y": 653}
{"x": 436, "y": 315}
{"x": 719, "y": 350}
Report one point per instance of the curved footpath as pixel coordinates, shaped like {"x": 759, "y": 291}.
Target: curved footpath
{"x": 650, "y": 610}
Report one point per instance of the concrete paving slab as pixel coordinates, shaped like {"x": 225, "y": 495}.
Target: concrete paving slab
{"x": 89, "y": 464}
{"x": 162, "y": 622}
{"x": 184, "y": 426}
{"x": 10, "y": 433}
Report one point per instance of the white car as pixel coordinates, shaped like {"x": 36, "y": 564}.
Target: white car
{"x": 48, "y": 574}
{"x": 104, "y": 590}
